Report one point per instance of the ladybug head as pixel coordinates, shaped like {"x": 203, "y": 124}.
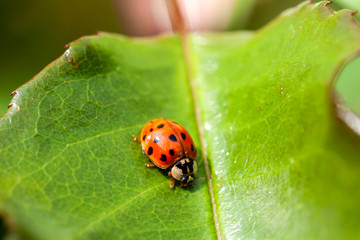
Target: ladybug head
{"x": 184, "y": 171}
{"x": 187, "y": 180}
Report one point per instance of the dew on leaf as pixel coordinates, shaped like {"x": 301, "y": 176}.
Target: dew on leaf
{"x": 68, "y": 58}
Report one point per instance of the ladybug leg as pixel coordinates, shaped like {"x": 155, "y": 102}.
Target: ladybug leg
{"x": 136, "y": 138}
{"x": 172, "y": 180}
{"x": 149, "y": 165}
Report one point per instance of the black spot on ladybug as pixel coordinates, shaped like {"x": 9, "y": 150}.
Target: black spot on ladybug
{"x": 163, "y": 158}
{"x": 160, "y": 125}
{"x": 157, "y": 139}
{"x": 183, "y": 136}
{"x": 144, "y": 137}
{"x": 151, "y": 129}
{"x": 150, "y": 151}
{"x": 172, "y": 153}
{"x": 192, "y": 147}
{"x": 172, "y": 138}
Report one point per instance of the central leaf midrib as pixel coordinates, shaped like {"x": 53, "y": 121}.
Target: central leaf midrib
{"x": 179, "y": 26}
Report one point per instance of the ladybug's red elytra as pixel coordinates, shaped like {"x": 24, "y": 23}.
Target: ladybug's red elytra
{"x": 167, "y": 144}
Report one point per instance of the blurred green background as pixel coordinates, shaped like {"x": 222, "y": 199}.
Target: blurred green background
{"x": 34, "y": 33}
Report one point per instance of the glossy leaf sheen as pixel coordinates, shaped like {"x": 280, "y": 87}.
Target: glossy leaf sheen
{"x": 282, "y": 166}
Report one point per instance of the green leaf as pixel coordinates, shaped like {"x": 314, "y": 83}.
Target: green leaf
{"x": 281, "y": 164}
{"x": 69, "y": 161}
{"x": 282, "y": 167}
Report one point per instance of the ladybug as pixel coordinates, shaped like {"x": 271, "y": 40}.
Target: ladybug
{"x": 169, "y": 146}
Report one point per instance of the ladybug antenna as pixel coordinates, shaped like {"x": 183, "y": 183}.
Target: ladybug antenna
{"x": 202, "y": 178}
